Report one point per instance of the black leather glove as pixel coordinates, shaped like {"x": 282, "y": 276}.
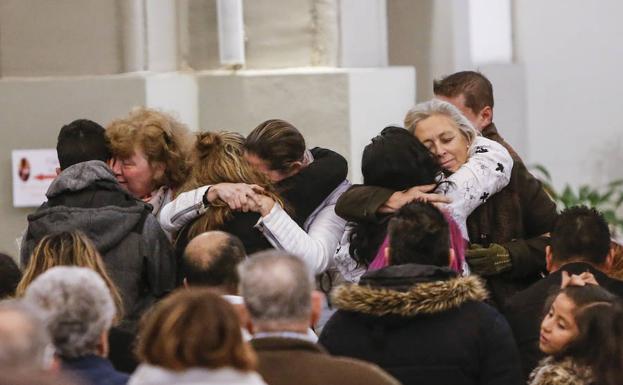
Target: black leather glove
{"x": 490, "y": 260}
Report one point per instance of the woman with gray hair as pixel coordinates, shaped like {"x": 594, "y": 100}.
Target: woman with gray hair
{"x": 475, "y": 167}
{"x": 506, "y": 228}
{"x": 78, "y": 310}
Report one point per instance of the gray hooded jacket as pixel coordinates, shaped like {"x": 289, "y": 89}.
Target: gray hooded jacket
{"x": 137, "y": 254}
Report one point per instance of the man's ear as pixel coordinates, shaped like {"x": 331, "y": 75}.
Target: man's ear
{"x": 549, "y": 264}
{"x": 486, "y": 115}
{"x": 294, "y": 168}
{"x": 317, "y": 299}
{"x": 58, "y": 171}
{"x": 451, "y": 257}
{"x": 185, "y": 283}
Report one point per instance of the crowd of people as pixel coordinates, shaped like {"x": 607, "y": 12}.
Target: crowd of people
{"x": 163, "y": 256}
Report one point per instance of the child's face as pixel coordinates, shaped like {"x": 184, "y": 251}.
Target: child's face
{"x": 558, "y": 327}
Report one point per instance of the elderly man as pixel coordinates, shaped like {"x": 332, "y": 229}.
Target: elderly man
{"x": 277, "y": 289}
{"x": 78, "y": 310}
{"x": 25, "y": 341}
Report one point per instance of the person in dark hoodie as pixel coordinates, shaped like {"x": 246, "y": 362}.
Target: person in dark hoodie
{"x": 86, "y": 196}
{"x": 417, "y": 319}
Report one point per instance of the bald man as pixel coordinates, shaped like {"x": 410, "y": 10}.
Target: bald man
{"x": 211, "y": 260}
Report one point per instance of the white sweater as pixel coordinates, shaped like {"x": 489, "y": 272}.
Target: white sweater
{"x": 147, "y": 374}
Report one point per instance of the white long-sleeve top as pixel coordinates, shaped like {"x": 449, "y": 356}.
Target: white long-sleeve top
{"x": 486, "y": 171}
{"x": 182, "y": 210}
{"x": 317, "y": 241}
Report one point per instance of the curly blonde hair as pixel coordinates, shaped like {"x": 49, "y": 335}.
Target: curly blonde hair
{"x": 160, "y": 136}
{"x": 219, "y": 158}
{"x": 67, "y": 248}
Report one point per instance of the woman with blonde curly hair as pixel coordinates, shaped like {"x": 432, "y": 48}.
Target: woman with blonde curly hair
{"x": 150, "y": 150}
{"x": 219, "y": 158}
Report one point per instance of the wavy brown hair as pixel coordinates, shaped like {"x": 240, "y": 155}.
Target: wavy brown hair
{"x": 67, "y": 248}
{"x": 193, "y": 328}
{"x": 219, "y": 158}
{"x": 162, "y": 138}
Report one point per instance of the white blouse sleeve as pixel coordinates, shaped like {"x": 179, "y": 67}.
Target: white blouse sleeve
{"x": 182, "y": 210}
{"x": 487, "y": 171}
{"x": 316, "y": 247}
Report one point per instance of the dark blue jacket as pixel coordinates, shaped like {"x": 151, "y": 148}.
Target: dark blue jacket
{"x": 94, "y": 370}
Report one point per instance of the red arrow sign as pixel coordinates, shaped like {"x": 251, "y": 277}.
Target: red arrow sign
{"x": 44, "y": 176}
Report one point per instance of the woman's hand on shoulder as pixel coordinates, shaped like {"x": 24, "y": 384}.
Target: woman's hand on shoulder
{"x": 586, "y": 278}
{"x": 417, "y": 193}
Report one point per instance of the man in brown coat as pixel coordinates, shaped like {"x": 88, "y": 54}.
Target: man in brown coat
{"x": 507, "y": 230}
{"x": 277, "y": 290}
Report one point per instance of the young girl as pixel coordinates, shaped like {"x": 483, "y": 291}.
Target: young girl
{"x": 582, "y": 334}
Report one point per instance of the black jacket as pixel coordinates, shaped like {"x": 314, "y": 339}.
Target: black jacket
{"x": 525, "y": 310}
{"x": 423, "y": 325}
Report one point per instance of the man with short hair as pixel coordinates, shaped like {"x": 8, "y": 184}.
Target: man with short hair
{"x": 277, "y": 290}
{"x": 86, "y": 196}
{"x": 580, "y": 242}
{"x": 416, "y": 318}
{"x": 26, "y": 344}
{"x": 472, "y": 93}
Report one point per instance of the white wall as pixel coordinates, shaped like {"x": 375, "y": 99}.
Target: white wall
{"x": 340, "y": 109}
{"x": 573, "y": 61}
{"x": 363, "y": 33}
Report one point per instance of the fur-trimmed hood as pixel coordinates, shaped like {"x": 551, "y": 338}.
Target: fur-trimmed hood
{"x": 388, "y": 292}
{"x": 560, "y": 372}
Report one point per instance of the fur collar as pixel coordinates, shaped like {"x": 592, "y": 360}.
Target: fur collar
{"x": 422, "y": 298}
{"x": 560, "y": 372}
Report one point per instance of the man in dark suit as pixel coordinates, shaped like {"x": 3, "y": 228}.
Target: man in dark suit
{"x": 580, "y": 242}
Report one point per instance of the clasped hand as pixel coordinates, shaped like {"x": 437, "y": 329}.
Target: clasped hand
{"x": 242, "y": 197}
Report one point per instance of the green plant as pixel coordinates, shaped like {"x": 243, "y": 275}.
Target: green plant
{"x": 608, "y": 199}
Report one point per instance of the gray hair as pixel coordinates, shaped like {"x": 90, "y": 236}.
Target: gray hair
{"x": 276, "y": 287}
{"x": 25, "y": 340}
{"x": 77, "y": 308}
{"x": 432, "y": 107}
